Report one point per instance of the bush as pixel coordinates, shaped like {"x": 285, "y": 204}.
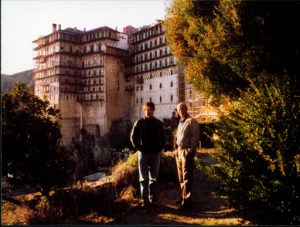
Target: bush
{"x": 167, "y": 169}
{"x": 31, "y": 137}
{"x": 206, "y": 132}
{"x": 170, "y": 126}
{"x": 259, "y": 162}
{"x": 119, "y": 134}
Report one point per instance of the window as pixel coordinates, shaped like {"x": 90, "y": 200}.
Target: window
{"x": 171, "y": 98}
{"x": 160, "y": 99}
{"x": 141, "y": 87}
{"x": 137, "y": 88}
{"x": 171, "y": 84}
{"x": 137, "y": 100}
{"x": 160, "y": 74}
{"x": 171, "y": 71}
{"x": 150, "y": 75}
{"x": 150, "y": 86}
{"x": 160, "y": 85}
{"x": 150, "y": 99}
{"x": 141, "y": 100}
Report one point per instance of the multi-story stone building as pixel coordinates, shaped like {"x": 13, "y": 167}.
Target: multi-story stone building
{"x": 154, "y": 73}
{"x": 82, "y": 73}
{"x": 95, "y": 77}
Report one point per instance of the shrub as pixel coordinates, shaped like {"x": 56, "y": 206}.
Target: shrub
{"x": 119, "y": 134}
{"x": 206, "y": 132}
{"x": 170, "y": 126}
{"x": 259, "y": 162}
{"x": 167, "y": 169}
{"x": 31, "y": 137}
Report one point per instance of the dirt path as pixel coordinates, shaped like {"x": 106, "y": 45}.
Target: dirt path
{"x": 206, "y": 210}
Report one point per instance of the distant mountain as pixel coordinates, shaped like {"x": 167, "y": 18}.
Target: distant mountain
{"x": 7, "y": 81}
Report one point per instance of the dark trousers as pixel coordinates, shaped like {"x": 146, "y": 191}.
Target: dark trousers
{"x": 148, "y": 173}
{"x": 185, "y": 170}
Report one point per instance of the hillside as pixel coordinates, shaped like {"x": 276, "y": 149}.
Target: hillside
{"x": 92, "y": 204}
{"x": 7, "y": 81}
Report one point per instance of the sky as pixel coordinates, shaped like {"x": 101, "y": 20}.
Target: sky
{"x": 23, "y": 21}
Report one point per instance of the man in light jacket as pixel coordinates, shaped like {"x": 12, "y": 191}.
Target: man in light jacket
{"x": 187, "y": 145}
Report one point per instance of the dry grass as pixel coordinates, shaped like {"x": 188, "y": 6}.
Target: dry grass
{"x": 115, "y": 201}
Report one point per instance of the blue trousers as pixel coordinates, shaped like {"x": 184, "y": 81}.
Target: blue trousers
{"x": 148, "y": 172}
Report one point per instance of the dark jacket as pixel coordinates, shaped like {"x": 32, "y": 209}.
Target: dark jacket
{"x": 146, "y": 141}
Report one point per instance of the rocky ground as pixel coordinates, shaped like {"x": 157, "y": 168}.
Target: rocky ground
{"x": 207, "y": 209}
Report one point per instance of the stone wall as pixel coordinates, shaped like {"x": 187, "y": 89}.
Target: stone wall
{"x": 117, "y": 98}
{"x": 71, "y": 117}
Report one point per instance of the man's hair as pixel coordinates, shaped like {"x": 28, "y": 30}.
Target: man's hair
{"x": 181, "y": 104}
{"x": 150, "y": 105}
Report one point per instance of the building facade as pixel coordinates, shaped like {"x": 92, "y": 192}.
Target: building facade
{"x": 154, "y": 73}
{"x": 95, "y": 77}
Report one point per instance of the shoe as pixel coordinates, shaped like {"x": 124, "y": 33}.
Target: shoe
{"x": 145, "y": 204}
{"x": 154, "y": 205}
{"x": 178, "y": 201}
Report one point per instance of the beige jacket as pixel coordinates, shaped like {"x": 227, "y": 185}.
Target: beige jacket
{"x": 190, "y": 135}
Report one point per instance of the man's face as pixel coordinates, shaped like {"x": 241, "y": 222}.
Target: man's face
{"x": 148, "y": 112}
{"x": 182, "y": 111}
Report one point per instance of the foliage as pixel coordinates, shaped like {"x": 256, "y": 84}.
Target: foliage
{"x": 206, "y": 133}
{"x": 168, "y": 168}
{"x": 119, "y": 134}
{"x": 133, "y": 160}
{"x": 224, "y": 43}
{"x": 170, "y": 125}
{"x": 31, "y": 136}
{"x": 259, "y": 164}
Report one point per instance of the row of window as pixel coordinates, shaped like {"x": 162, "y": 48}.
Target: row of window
{"x": 86, "y": 37}
{"x": 150, "y": 99}
{"x": 99, "y": 34}
{"x": 140, "y": 79}
{"x": 154, "y": 65}
{"x": 94, "y": 89}
{"x": 151, "y": 55}
{"x": 150, "y": 86}
{"x": 148, "y": 33}
{"x": 93, "y": 73}
{"x": 149, "y": 44}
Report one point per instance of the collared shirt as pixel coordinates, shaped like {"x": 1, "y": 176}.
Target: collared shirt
{"x": 180, "y": 128}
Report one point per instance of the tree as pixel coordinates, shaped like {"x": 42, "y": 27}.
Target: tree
{"x": 260, "y": 154}
{"x": 223, "y": 43}
{"x": 31, "y": 137}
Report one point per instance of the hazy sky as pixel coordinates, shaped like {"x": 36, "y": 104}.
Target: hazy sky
{"x": 23, "y": 21}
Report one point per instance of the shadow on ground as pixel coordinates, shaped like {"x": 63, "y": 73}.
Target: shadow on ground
{"x": 206, "y": 210}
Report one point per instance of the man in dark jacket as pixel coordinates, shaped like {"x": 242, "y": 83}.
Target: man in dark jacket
{"x": 148, "y": 137}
